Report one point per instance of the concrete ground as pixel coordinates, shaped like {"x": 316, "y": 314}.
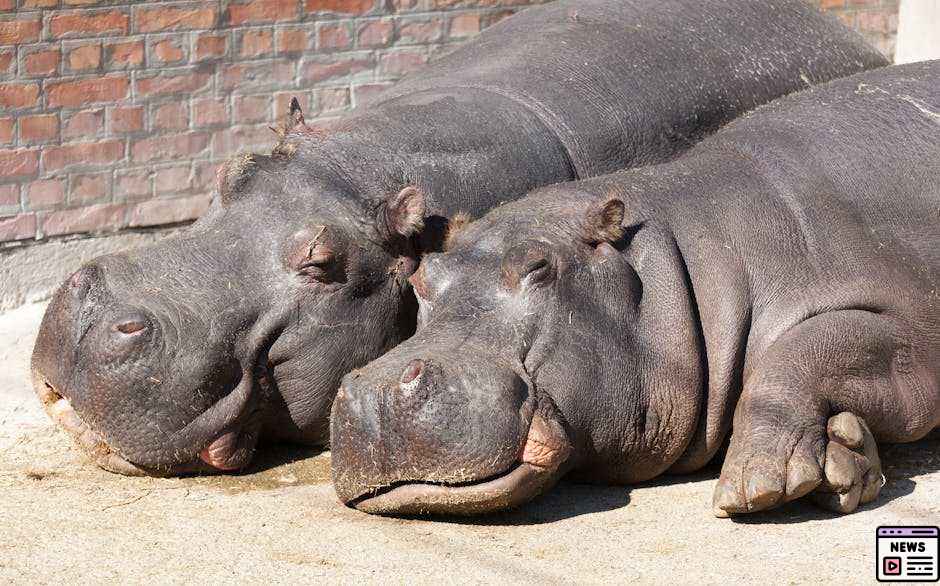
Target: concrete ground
{"x": 62, "y": 520}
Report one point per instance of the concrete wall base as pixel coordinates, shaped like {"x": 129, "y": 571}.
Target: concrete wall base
{"x": 32, "y": 273}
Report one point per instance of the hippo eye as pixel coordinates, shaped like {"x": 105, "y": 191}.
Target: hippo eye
{"x": 536, "y": 271}
{"x": 322, "y": 268}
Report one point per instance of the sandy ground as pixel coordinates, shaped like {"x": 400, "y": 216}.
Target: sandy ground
{"x": 62, "y": 520}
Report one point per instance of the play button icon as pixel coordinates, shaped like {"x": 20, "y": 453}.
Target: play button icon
{"x": 892, "y": 566}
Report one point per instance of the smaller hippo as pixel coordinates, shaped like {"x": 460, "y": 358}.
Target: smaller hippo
{"x": 785, "y": 272}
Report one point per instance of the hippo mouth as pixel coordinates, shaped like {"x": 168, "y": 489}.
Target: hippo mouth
{"x": 541, "y": 463}
{"x": 232, "y": 450}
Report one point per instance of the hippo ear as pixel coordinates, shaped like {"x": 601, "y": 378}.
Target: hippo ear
{"x": 292, "y": 119}
{"x": 404, "y": 212}
{"x": 604, "y": 222}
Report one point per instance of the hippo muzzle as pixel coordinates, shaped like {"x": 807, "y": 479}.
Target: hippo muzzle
{"x": 443, "y": 436}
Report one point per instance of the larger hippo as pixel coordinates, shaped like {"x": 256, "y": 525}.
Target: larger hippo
{"x": 785, "y": 271}
{"x": 179, "y": 356}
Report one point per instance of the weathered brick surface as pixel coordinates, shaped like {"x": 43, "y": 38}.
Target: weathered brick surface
{"x": 116, "y": 114}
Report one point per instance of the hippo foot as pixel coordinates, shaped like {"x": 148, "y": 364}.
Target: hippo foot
{"x": 838, "y": 470}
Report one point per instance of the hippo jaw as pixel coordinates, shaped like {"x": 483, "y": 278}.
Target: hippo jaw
{"x": 541, "y": 463}
{"x": 231, "y": 450}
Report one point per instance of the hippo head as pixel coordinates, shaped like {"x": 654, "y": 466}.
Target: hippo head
{"x": 467, "y": 416}
{"x": 178, "y": 357}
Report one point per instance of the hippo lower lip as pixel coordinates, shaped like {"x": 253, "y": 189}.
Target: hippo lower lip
{"x": 225, "y": 453}
{"x": 222, "y": 455}
{"x": 541, "y": 464}
{"x": 60, "y": 410}
{"x": 521, "y": 483}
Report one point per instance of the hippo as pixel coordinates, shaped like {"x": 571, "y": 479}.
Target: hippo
{"x": 779, "y": 283}
{"x": 180, "y": 357}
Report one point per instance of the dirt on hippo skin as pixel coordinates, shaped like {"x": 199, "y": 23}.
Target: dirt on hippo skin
{"x": 65, "y": 521}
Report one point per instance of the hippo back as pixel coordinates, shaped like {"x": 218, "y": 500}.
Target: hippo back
{"x": 631, "y": 82}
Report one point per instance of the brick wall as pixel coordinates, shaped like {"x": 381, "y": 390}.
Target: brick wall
{"x": 877, "y": 20}
{"x": 114, "y": 115}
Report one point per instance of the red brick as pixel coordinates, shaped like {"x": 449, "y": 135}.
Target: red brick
{"x": 127, "y": 119}
{"x": 873, "y": 21}
{"x": 40, "y": 3}
{"x": 85, "y": 57}
{"x": 252, "y": 109}
{"x": 7, "y": 59}
{"x": 156, "y": 212}
{"x": 830, "y": 4}
{"x": 291, "y": 41}
{"x": 464, "y": 25}
{"x": 260, "y": 11}
{"x": 377, "y": 33}
{"x": 19, "y": 162}
{"x": 19, "y": 95}
{"x": 171, "y": 116}
{"x": 127, "y": 54}
{"x": 18, "y": 32}
{"x": 168, "y": 51}
{"x": 211, "y": 47}
{"x": 102, "y": 152}
{"x": 847, "y": 18}
{"x": 176, "y": 179}
{"x": 210, "y": 112}
{"x": 9, "y": 195}
{"x": 420, "y": 31}
{"x": 229, "y": 141}
{"x": 88, "y": 24}
{"x": 168, "y": 147}
{"x": 85, "y": 91}
{"x": 175, "y": 18}
{"x": 39, "y": 128}
{"x": 402, "y": 62}
{"x": 162, "y": 85}
{"x": 257, "y": 76}
{"x": 19, "y": 227}
{"x": 332, "y": 99}
{"x": 133, "y": 184}
{"x": 333, "y": 36}
{"x": 96, "y": 218}
{"x": 81, "y": 2}
{"x": 6, "y": 130}
{"x": 205, "y": 175}
{"x": 257, "y": 43}
{"x": 339, "y": 6}
{"x": 87, "y": 189}
{"x": 86, "y": 124}
{"x": 318, "y": 69}
{"x": 45, "y": 193}
{"x": 41, "y": 62}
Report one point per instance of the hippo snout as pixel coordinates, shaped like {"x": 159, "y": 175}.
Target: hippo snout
{"x": 449, "y": 432}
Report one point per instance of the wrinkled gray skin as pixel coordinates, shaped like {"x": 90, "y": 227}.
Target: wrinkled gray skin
{"x": 180, "y": 356}
{"x": 785, "y": 274}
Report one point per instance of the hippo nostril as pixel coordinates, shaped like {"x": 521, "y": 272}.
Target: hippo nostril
{"x": 130, "y": 327}
{"x": 412, "y": 371}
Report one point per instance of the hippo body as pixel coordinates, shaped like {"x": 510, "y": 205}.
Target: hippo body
{"x": 180, "y": 356}
{"x": 780, "y": 281}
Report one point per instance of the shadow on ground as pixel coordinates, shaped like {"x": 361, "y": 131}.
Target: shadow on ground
{"x": 568, "y": 500}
